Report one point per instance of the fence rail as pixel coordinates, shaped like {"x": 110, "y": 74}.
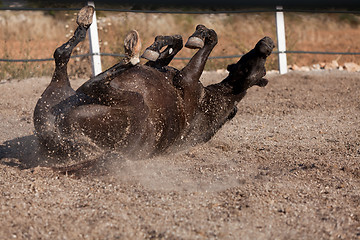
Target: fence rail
{"x": 277, "y": 10}
{"x": 177, "y": 58}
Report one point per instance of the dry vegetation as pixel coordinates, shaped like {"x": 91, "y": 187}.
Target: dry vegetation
{"x": 26, "y": 35}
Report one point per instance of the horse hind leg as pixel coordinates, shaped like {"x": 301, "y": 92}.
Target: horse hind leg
{"x": 59, "y": 89}
{"x": 62, "y": 54}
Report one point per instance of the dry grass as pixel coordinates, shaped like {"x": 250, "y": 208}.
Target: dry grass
{"x": 36, "y": 35}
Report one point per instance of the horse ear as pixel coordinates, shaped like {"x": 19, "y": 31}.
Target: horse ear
{"x": 231, "y": 67}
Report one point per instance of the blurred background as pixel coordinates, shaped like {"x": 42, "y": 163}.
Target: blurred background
{"x": 33, "y": 29}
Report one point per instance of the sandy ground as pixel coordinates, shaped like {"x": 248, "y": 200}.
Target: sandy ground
{"x": 286, "y": 167}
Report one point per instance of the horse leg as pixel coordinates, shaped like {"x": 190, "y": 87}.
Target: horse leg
{"x": 118, "y": 123}
{"x": 161, "y": 59}
{"x": 59, "y": 88}
{"x": 96, "y": 85}
{"x": 187, "y": 80}
{"x": 62, "y": 54}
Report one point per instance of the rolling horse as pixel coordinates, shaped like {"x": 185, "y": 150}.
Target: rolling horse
{"x": 142, "y": 110}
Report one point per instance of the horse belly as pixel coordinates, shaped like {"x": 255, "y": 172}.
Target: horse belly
{"x": 145, "y": 114}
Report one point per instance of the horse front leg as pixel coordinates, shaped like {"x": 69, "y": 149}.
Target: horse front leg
{"x": 99, "y": 83}
{"x": 187, "y": 80}
{"x": 159, "y": 59}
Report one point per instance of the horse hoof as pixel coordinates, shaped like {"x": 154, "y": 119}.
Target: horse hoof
{"x": 194, "y": 43}
{"x": 197, "y": 39}
{"x": 85, "y": 16}
{"x": 132, "y": 45}
{"x": 150, "y": 55}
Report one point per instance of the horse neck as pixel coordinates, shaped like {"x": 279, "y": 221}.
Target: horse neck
{"x": 226, "y": 90}
{"x": 220, "y": 101}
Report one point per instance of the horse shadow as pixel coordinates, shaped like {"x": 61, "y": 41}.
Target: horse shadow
{"x": 26, "y": 153}
{"x": 23, "y": 153}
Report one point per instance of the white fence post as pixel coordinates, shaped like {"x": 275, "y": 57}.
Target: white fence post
{"x": 281, "y": 42}
{"x": 94, "y": 44}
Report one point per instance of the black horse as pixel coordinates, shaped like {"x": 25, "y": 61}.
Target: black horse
{"x": 144, "y": 110}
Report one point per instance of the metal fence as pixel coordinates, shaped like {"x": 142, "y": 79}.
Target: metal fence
{"x": 280, "y": 26}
